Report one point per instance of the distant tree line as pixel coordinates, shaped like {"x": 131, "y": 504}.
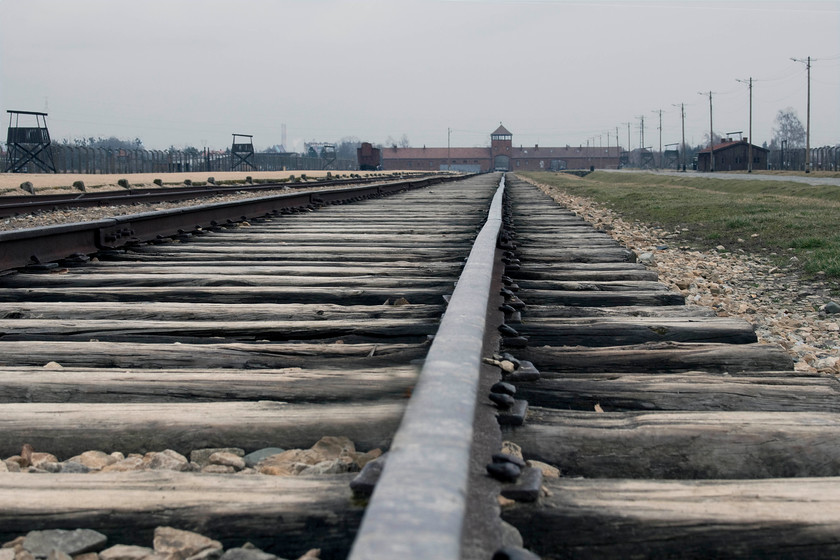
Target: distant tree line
{"x": 100, "y": 143}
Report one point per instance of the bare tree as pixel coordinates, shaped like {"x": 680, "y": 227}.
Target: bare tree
{"x": 788, "y": 128}
{"x": 346, "y": 147}
{"x": 110, "y": 143}
{"x": 717, "y": 139}
{"x": 404, "y": 143}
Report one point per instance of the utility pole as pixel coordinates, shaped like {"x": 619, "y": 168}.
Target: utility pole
{"x": 642, "y": 132}
{"x": 448, "y": 149}
{"x": 628, "y": 136}
{"x": 807, "y": 63}
{"x": 682, "y": 118}
{"x": 750, "y": 139}
{"x": 711, "y": 133}
{"x": 660, "y": 135}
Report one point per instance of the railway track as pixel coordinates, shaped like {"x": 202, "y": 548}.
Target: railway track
{"x": 41, "y": 246}
{"x": 675, "y": 433}
{"x": 275, "y": 332}
{"x": 11, "y": 205}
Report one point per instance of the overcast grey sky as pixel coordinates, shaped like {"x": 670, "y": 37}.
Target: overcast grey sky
{"x": 555, "y": 72}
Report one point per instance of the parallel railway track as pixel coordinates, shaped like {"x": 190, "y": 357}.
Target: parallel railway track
{"x": 676, "y": 433}
{"x": 11, "y": 205}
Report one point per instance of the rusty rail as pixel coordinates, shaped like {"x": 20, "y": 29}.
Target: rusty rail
{"x": 420, "y": 502}
{"x": 19, "y": 204}
{"x": 46, "y": 244}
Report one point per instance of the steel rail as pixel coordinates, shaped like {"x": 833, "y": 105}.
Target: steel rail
{"x": 418, "y": 507}
{"x": 15, "y": 205}
{"x": 20, "y": 248}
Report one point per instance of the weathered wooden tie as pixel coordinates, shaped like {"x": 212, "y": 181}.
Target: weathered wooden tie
{"x": 626, "y": 411}
{"x": 766, "y": 518}
{"x": 282, "y": 515}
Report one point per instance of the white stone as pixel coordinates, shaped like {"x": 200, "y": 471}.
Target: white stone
{"x": 167, "y": 460}
{"x": 227, "y": 459}
{"x": 127, "y": 552}
{"x": 180, "y": 545}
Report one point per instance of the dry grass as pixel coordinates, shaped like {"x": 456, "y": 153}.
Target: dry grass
{"x": 776, "y": 219}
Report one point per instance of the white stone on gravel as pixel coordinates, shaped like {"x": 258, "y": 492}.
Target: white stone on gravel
{"x": 334, "y": 466}
{"x": 95, "y": 460}
{"x": 127, "y": 464}
{"x": 129, "y": 552}
{"x": 38, "y": 458}
{"x": 227, "y": 459}
{"x": 40, "y": 543}
{"x": 166, "y": 460}
{"x": 176, "y": 544}
{"x": 332, "y": 447}
{"x": 202, "y": 456}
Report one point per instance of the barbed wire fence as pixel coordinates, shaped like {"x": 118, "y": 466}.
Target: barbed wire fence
{"x": 85, "y": 160}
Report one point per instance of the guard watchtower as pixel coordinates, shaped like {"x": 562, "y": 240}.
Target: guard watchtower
{"x": 242, "y": 151}
{"x": 29, "y": 146}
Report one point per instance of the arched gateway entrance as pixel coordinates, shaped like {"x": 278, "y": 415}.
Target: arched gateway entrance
{"x": 501, "y": 163}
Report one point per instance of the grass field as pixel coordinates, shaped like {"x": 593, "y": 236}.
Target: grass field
{"x": 774, "y": 219}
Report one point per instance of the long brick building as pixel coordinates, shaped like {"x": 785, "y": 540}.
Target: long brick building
{"x": 500, "y": 156}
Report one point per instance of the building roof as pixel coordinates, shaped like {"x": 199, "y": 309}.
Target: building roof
{"x": 529, "y": 152}
{"x": 501, "y": 131}
{"x": 551, "y": 152}
{"x": 727, "y": 145}
{"x": 435, "y": 153}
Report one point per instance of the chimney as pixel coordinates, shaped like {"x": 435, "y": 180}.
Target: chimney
{"x": 536, "y": 146}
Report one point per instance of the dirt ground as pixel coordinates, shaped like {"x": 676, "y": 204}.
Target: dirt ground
{"x": 45, "y": 183}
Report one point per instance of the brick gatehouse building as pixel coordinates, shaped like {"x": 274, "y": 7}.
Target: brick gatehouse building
{"x": 500, "y": 156}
